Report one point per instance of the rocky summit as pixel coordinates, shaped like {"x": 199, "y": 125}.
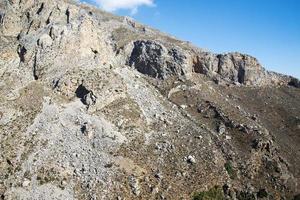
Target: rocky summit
{"x": 96, "y": 106}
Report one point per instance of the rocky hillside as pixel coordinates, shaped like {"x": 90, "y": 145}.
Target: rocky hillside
{"x": 95, "y": 106}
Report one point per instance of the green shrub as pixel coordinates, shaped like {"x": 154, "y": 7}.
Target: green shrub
{"x": 262, "y": 193}
{"x": 229, "y": 168}
{"x": 215, "y": 193}
{"x": 297, "y": 197}
{"x": 245, "y": 196}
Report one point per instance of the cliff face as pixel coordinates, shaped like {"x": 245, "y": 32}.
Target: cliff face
{"x": 95, "y": 106}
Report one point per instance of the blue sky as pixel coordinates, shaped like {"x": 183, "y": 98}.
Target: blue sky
{"x": 266, "y": 29}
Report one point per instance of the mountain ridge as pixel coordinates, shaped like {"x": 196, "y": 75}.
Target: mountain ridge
{"x": 96, "y": 106}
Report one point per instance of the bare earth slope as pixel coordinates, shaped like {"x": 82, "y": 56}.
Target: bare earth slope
{"x": 95, "y": 106}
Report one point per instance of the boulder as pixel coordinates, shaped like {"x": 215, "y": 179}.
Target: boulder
{"x": 155, "y": 60}
{"x": 191, "y": 159}
{"x": 45, "y": 41}
{"x": 221, "y": 128}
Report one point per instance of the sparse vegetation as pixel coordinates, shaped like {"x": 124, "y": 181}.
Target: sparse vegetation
{"x": 245, "y": 196}
{"x": 297, "y": 197}
{"x": 262, "y": 193}
{"x": 215, "y": 193}
{"x": 230, "y": 170}
{"x": 94, "y": 106}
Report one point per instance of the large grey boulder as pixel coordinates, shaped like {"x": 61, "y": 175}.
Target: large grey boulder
{"x": 154, "y": 59}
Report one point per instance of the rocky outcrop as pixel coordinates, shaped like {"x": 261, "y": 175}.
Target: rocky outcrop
{"x": 232, "y": 67}
{"x": 154, "y": 59}
{"x": 238, "y": 69}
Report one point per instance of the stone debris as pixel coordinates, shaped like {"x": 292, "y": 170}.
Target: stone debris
{"x": 158, "y": 175}
{"x": 97, "y": 106}
{"x": 89, "y": 99}
{"x": 183, "y": 106}
{"x": 221, "y": 128}
{"x": 191, "y": 159}
{"x": 134, "y": 184}
{"x": 26, "y": 183}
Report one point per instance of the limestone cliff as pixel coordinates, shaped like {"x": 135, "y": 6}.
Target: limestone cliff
{"x": 96, "y": 106}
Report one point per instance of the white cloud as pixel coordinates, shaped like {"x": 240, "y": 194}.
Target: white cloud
{"x": 132, "y": 5}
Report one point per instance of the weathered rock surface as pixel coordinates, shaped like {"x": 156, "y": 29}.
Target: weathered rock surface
{"x": 155, "y": 60}
{"x": 95, "y": 106}
{"x": 236, "y": 68}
